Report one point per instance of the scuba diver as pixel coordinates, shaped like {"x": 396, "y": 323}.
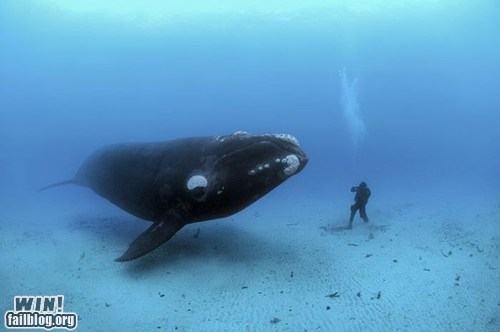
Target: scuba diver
{"x": 360, "y": 200}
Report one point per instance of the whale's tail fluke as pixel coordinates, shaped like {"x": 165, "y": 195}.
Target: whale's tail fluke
{"x": 57, "y": 184}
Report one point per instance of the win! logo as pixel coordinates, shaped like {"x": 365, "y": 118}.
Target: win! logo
{"x": 40, "y": 312}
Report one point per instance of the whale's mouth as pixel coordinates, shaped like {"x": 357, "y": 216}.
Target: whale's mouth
{"x": 268, "y": 151}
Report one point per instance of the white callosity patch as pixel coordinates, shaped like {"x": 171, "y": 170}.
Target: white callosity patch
{"x": 292, "y": 163}
{"x": 241, "y": 133}
{"x": 259, "y": 168}
{"x": 236, "y": 133}
{"x": 197, "y": 181}
{"x": 286, "y": 137}
{"x": 220, "y": 191}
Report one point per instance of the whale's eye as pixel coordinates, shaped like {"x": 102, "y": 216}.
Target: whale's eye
{"x": 197, "y": 181}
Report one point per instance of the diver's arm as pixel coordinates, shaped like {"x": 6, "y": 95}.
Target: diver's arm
{"x": 354, "y": 189}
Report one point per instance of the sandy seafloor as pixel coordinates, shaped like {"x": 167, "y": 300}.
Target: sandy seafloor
{"x": 283, "y": 264}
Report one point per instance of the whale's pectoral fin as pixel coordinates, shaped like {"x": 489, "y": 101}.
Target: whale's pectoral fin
{"x": 152, "y": 238}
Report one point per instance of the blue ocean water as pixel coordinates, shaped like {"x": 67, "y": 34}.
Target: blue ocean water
{"x": 401, "y": 94}
{"x": 426, "y": 77}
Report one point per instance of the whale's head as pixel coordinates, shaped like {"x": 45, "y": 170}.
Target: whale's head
{"x": 241, "y": 168}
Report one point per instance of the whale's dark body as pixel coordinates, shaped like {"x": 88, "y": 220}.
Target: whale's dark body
{"x": 188, "y": 180}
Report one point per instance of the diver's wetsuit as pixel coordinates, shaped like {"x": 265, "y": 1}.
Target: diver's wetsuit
{"x": 360, "y": 201}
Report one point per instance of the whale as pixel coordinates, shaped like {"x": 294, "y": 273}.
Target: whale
{"x": 187, "y": 180}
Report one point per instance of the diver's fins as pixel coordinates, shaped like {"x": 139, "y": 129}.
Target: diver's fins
{"x": 152, "y": 238}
